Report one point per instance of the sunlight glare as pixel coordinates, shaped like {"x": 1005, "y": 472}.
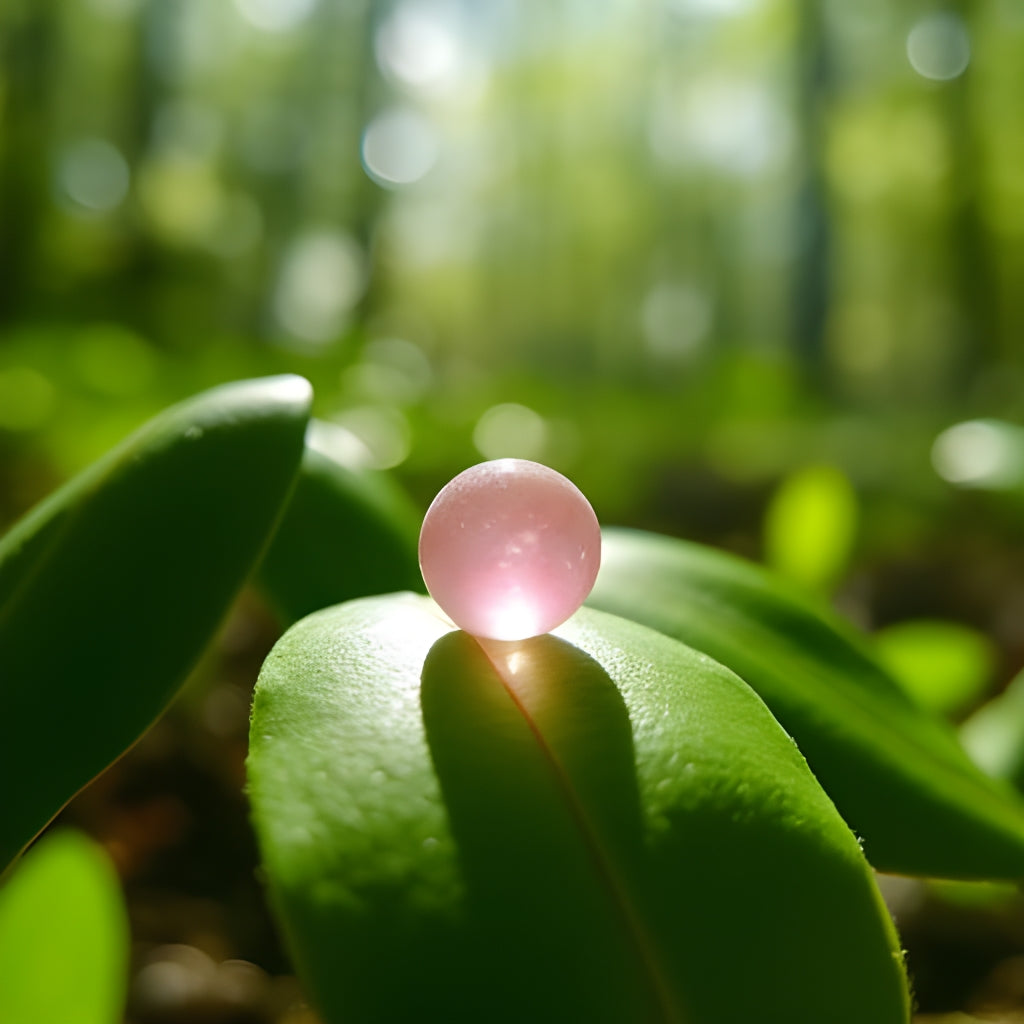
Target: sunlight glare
{"x": 418, "y": 46}
{"x": 938, "y": 46}
{"x": 383, "y": 429}
{"x": 321, "y": 278}
{"x": 399, "y": 147}
{"x": 676, "y": 320}
{"x": 510, "y": 430}
{"x": 732, "y": 126}
{"x": 714, "y": 8}
{"x": 275, "y": 15}
{"x": 338, "y": 443}
{"x": 980, "y": 453}
{"x": 514, "y": 619}
{"x": 94, "y": 175}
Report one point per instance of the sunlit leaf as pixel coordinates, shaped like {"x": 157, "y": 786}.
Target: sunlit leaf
{"x": 346, "y": 533}
{"x": 977, "y": 895}
{"x": 600, "y": 825}
{"x": 944, "y": 666}
{"x": 810, "y": 526}
{"x": 110, "y": 589}
{"x": 896, "y": 773}
{"x": 994, "y": 734}
{"x": 63, "y": 936}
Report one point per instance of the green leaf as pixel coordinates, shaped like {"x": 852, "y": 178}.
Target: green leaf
{"x": 944, "y": 666}
{"x": 346, "y": 533}
{"x": 110, "y": 589}
{"x": 994, "y": 734}
{"x": 810, "y": 526}
{"x": 63, "y": 936}
{"x": 896, "y": 773}
{"x": 602, "y": 825}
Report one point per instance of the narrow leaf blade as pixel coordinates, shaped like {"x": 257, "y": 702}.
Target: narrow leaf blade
{"x": 111, "y": 588}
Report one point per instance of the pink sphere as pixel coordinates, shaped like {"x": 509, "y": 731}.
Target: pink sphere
{"x": 509, "y": 549}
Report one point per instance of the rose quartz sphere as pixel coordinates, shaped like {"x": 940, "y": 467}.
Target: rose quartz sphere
{"x": 509, "y": 549}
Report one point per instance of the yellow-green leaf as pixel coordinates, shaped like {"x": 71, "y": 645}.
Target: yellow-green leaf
{"x": 63, "y": 936}
{"x": 944, "y": 666}
{"x": 810, "y": 526}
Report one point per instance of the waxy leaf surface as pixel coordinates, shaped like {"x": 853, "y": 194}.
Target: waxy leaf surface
{"x": 110, "y": 588}
{"x": 896, "y": 773}
{"x": 600, "y": 825}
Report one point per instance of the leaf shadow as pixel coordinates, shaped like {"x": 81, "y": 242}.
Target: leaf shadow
{"x": 533, "y": 749}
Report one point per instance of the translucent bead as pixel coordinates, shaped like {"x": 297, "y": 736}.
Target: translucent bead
{"x": 509, "y": 549}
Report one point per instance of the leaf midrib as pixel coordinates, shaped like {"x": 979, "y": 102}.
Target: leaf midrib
{"x": 668, "y": 1005}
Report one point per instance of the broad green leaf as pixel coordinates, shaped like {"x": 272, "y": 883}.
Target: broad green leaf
{"x": 346, "y": 533}
{"x": 810, "y": 526}
{"x": 110, "y": 589}
{"x": 600, "y": 825}
{"x": 63, "y": 936}
{"x": 896, "y": 773}
{"x": 994, "y": 734}
{"x": 944, "y": 666}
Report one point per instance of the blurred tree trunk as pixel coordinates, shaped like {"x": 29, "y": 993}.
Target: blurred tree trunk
{"x": 812, "y": 271}
{"x": 148, "y": 269}
{"x": 349, "y": 87}
{"x": 27, "y": 59}
{"x": 334, "y": 90}
{"x": 978, "y": 340}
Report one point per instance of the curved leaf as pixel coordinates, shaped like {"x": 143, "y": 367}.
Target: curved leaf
{"x": 601, "y": 825}
{"x": 897, "y": 775}
{"x": 945, "y": 666}
{"x": 110, "y": 589}
{"x": 346, "y": 533}
{"x": 63, "y": 936}
{"x": 811, "y": 525}
{"x": 994, "y": 734}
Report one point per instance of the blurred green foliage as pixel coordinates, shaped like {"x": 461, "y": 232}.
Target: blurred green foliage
{"x": 810, "y": 526}
{"x": 946, "y": 666}
{"x": 695, "y": 243}
{"x": 679, "y": 249}
{"x": 682, "y": 250}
